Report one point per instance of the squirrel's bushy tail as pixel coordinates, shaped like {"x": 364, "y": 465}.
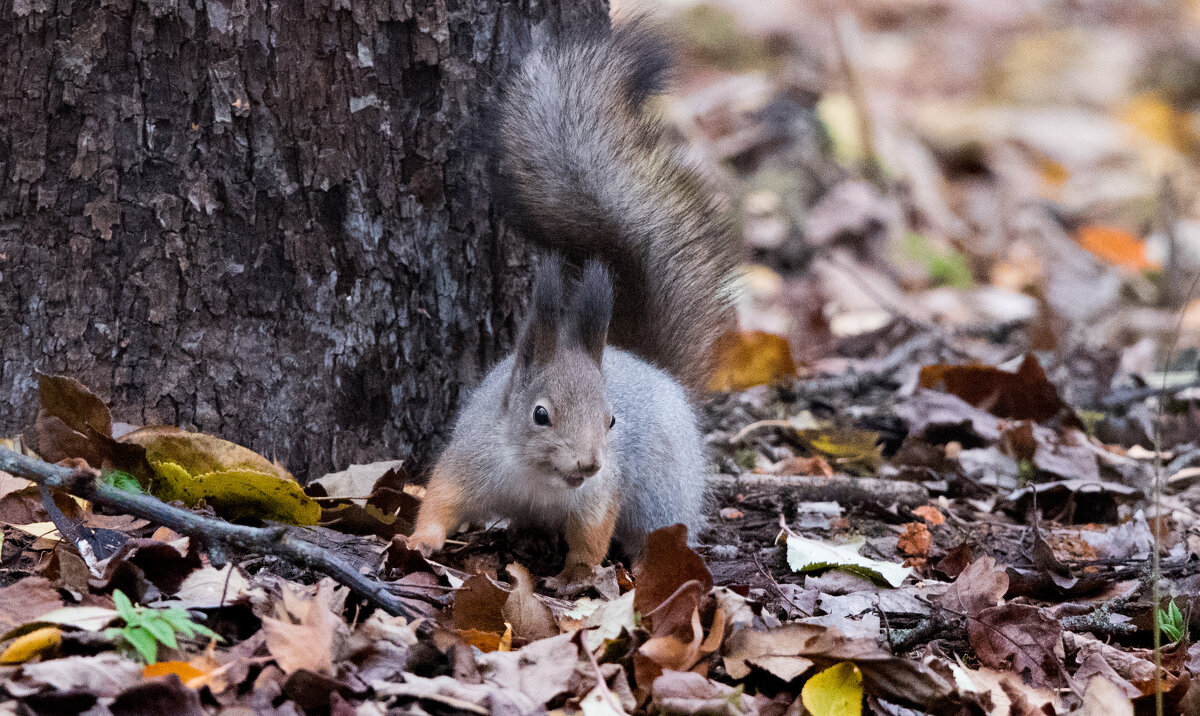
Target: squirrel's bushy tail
{"x": 589, "y": 173}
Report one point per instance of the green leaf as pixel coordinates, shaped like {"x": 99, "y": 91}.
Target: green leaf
{"x": 124, "y": 606}
{"x": 808, "y": 555}
{"x": 143, "y": 641}
{"x": 162, "y": 631}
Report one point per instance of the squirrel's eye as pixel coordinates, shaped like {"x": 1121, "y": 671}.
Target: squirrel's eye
{"x": 612, "y": 423}
{"x": 541, "y": 416}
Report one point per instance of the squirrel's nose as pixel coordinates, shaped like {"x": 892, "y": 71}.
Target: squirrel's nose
{"x": 588, "y": 467}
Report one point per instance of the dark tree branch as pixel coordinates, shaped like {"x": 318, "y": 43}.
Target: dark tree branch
{"x": 276, "y": 540}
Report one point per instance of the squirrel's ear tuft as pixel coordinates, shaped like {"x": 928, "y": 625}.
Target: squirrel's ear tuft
{"x": 592, "y": 309}
{"x": 539, "y": 336}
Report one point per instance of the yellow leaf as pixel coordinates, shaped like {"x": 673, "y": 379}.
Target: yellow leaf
{"x": 840, "y": 116}
{"x": 846, "y": 446}
{"x": 243, "y": 494}
{"x": 199, "y": 453}
{"x": 1156, "y": 119}
{"x": 1116, "y": 247}
{"x": 235, "y": 481}
{"x": 836, "y": 691}
{"x": 749, "y": 358}
{"x": 182, "y": 669}
{"x": 42, "y": 642}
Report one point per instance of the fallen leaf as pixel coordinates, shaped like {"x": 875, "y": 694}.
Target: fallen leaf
{"x": 103, "y": 675}
{"x": 941, "y": 417}
{"x": 749, "y": 358}
{"x": 1022, "y": 638}
{"x": 479, "y": 605}
{"x": 39, "y": 643}
{"x": 683, "y": 692}
{"x": 915, "y": 541}
{"x": 781, "y": 649}
{"x": 307, "y": 631}
{"x": 1104, "y": 698}
{"x": 235, "y": 481}
{"x": 86, "y": 618}
{"x": 1024, "y": 395}
{"x": 608, "y": 620}
{"x": 182, "y": 669}
{"x": 836, "y": 691}
{"x": 26, "y": 601}
{"x": 1117, "y": 247}
{"x": 542, "y": 670}
{"x": 1064, "y": 454}
{"x": 357, "y": 482}
{"x": 980, "y": 586}
{"x": 776, "y": 651}
{"x": 809, "y": 555}
{"x": 531, "y": 619}
{"x": 932, "y": 515}
{"x": 209, "y": 588}
{"x": 669, "y": 564}
{"x": 847, "y": 447}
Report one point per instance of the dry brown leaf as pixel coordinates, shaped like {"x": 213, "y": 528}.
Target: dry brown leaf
{"x": 1024, "y": 395}
{"x": 980, "y": 586}
{"x": 915, "y": 541}
{"x": 27, "y": 600}
{"x": 669, "y": 564}
{"x": 1022, "y": 638}
{"x": 106, "y": 674}
{"x": 542, "y": 670}
{"x": 681, "y": 692}
{"x": 479, "y": 605}
{"x": 307, "y": 631}
{"x": 531, "y": 619}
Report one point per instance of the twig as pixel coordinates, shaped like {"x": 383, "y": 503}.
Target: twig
{"x": 1125, "y": 396}
{"x": 276, "y": 540}
{"x": 838, "y": 488}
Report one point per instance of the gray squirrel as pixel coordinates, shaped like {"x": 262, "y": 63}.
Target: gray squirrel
{"x": 588, "y": 426}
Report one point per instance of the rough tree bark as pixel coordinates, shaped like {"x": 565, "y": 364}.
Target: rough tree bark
{"x": 263, "y": 220}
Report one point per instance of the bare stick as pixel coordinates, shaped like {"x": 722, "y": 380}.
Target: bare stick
{"x": 276, "y": 540}
{"x": 838, "y": 488}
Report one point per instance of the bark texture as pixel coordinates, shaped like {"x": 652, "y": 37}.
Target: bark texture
{"x": 263, "y": 220}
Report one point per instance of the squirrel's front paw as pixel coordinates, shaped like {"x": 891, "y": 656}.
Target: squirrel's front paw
{"x": 427, "y": 541}
{"x": 573, "y": 574}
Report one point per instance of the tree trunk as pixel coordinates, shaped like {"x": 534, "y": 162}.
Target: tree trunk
{"x": 260, "y": 220}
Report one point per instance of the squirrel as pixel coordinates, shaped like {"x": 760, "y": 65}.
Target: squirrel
{"x": 589, "y": 426}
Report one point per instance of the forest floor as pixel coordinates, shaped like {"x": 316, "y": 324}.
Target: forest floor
{"x": 955, "y": 447}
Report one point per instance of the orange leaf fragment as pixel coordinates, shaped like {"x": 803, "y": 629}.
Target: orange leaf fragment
{"x": 182, "y": 669}
{"x": 931, "y": 515}
{"x": 915, "y": 540}
{"x": 1116, "y": 247}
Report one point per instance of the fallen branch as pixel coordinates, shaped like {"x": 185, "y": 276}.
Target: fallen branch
{"x": 838, "y": 488}
{"x": 276, "y": 540}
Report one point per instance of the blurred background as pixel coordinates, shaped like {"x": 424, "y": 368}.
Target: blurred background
{"x": 1003, "y": 175}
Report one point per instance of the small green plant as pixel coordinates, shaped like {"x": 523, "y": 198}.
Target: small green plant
{"x": 1171, "y": 623}
{"x": 146, "y": 628}
{"x": 1026, "y": 472}
{"x": 122, "y": 481}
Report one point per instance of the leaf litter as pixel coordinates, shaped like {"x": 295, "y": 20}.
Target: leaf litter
{"x": 945, "y": 390}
